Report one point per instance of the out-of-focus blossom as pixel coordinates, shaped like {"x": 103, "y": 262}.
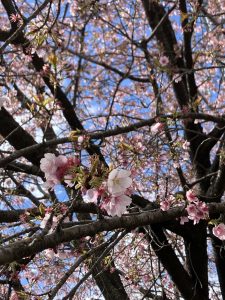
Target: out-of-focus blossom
{"x": 16, "y": 18}
{"x": 219, "y": 231}
{"x": 56, "y": 167}
{"x": 3, "y": 100}
{"x": 46, "y": 69}
{"x": 164, "y": 61}
{"x": 157, "y": 127}
{"x": 165, "y": 205}
{"x": 186, "y": 145}
{"x": 116, "y": 205}
{"x": 46, "y": 219}
{"x": 183, "y": 220}
{"x": 91, "y": 196}
{"x": 80, "y": 139}
{"x": 14, "y": 296}
{"x": 177, "y": 78}
{"x": 49, "y": 253}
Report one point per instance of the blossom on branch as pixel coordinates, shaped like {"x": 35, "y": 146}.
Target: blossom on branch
{"x": 219, "y": 231}
{"x": 118, "y": 181}
{"x": 164, "y": 61}
{"x": 116, "y": 205}
{"x": 191, "y": 197}
{"x": 91, "y": 195}
{"x": 56, "y": 167}
{"x": 157, "y": 127}
{"x": 197, "y": 211}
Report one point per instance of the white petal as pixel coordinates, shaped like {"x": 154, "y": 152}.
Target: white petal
{"x": 123, "y": 173}
{"x": 113, "y": 174}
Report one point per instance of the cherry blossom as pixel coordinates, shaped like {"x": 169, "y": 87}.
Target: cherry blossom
{"x": 183, "y": 220}
{"x": 186, "y": 145}
{"x": 164, "y": 61}
{"x": 55, "y": 167}
{"x": 91, "y": 195}
{"x": 219, "y": 231}
{"x": 116, "y": 205}
{"x": 49, "y": 253}
{"x": 88, "y": 78}
{"x": 46, "y": 219}
{"x": 191, "y": 197}
{"x": 157, "y": 127}
{"x": 118, "y": 181}
{"x": 80, "y": 139}
{"x": 16, "y": 18}
{"x": 50, "y": 163}
{"x": 165, "y": 205}
{"x": 3, "y": 100}
{"x": 197, "y": 211}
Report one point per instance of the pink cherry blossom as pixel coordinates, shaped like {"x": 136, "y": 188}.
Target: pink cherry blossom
{"x": 50, "y": 163}
{"x": 91, "y": 196}
{"x": 116, "y": 205}
{"x": 177, "y": 78}
{"x": 118, "y": 181}
{"x": 165, "y": 205}
{"x": 64, "y": 254}
{"x": 14, "y": 296}
{"x": 183, "y": 220}
{"x": 219, "y": 231}
{"x": 164, "y": 60}
{"x": 197, "y": 211}
{"x": 191, "y": 197}
{"x": 55, "y": 167}
{"x": 156, "y": 128}
{"x": 15, "y": 18}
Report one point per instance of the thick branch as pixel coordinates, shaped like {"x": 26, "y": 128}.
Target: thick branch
{"x": 28, "y": 247}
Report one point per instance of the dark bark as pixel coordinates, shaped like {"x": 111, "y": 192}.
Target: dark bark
{"x": 185, "y": 284}
{"x": 219, "y": 257}
{"x": 197, "y": 258}
{"x": 109, "y": 283}
{"x": 17, "y": 136}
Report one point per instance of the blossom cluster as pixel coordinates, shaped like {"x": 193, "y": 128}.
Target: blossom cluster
{"x": 113, "y": 193}
{"x": 197, "y": 210}
{"x": 108, "y": 190}
{"x": 56, "y": 168}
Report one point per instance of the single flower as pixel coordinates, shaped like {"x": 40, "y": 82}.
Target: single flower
{"x": 119, "y": 181}
{"x": 164, "y": 61}
{"x": 91, "y": 196}
{"x": 219, "y": 231}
